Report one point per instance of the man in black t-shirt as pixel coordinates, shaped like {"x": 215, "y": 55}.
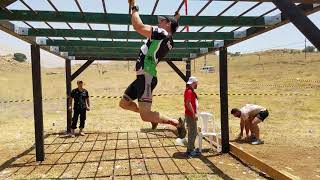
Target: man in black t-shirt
{"x": 80, "y": 107}
{"x": 159, "y": 43}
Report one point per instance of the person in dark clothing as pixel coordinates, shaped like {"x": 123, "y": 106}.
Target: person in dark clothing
{"x": 80, "y": 107}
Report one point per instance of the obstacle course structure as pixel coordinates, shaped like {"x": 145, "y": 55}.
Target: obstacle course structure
{"x": 124, "y": 45}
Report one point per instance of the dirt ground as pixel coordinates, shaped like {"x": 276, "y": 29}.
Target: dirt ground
{"x": 287, "y": 84}
{"x": 124, "y": 155}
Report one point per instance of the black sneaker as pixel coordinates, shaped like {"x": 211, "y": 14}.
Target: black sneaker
{"x": 181, "y": 129}
{"x": 154, "y": 125}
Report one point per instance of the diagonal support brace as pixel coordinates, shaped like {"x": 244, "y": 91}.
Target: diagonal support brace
{"x": 81, "y": 69}
{"x": 177, "y": 70}
{"x": 300, "y": 20}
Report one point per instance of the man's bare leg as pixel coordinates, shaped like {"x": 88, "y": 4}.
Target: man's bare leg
{"x": 128, "y": 104}
{"x": 155, "y": 117}
{"x": 256, "y": 128}
{"x": 148, "y": 115}
{"x": 255, "y": 123}
{"x": 252, "y": 127}
{"x": 248, "y": 130}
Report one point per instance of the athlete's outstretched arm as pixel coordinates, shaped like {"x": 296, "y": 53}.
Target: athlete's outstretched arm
{"x": 143, "y": 29}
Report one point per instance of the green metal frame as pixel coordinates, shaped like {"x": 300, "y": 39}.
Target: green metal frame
{"x": 183, "y": 50}
{"x": 118, "y": 50}
{"x": 124, "y": 19}
{"x": 119, "y": 55}
{"x": 122, "y": 44}
{"x": 126, "y": 35}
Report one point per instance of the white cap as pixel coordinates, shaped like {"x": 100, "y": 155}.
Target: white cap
{"x": 192, "y": 80}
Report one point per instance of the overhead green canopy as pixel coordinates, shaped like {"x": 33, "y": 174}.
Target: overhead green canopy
{"x": 124, "y": 19}
{"x": 126, "y": 44}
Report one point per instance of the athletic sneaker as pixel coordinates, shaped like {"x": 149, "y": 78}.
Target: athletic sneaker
{"x": 154, "y": 125}
{"x": 187, "y": 154}
{"x": 257, "y": 142}
{"x": 251, "y": 138}
{"x": 193, "y": 153}
{"x": 181, "y": 129}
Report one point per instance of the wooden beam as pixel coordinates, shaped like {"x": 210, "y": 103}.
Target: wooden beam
{"x": 5, "y": 3}
{"x": 9, "y": 28}
{"x": 81, "y": 69}
{"x": 256, "y": 162}
{"x": 177, "y": 70}
{"x": 223, "y": 73}
{"x": 188, "y": 69}
{"x": 255, "y": 31}
{"x": 251, "y": 160}
{"x": 68, "y": 93}
{"x": 300, "y": 20}
{"x": 37, "y": 101}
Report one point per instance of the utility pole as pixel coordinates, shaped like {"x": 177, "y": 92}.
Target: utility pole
{"x": 305, "y": 49}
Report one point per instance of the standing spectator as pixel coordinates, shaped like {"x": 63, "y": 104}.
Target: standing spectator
{"x": 80, "y": 107}
{"x": 191, "y": 116}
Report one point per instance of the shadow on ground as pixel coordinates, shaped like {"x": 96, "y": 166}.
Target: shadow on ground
{"x": 128, "y": 155}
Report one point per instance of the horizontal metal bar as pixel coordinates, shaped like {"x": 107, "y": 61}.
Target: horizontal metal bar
{"x": 101, "y": 18}
{"x": 118, "y": 50}
{"x": 9, "y": 28}
{"x": 126, "y": 35}
{"x": 114, "y": 44}
{"x": 115, "y": 54}
{"x": 255, "y": 31}
{"x": 107, "y": 58}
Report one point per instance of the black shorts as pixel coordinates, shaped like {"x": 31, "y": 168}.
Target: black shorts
{"x": 141, "y": 88}
{"x": 262, "y": 115}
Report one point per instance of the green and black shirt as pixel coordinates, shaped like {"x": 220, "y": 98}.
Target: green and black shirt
{"x": 79, "y": 98}
{"x": 155, "y": 48}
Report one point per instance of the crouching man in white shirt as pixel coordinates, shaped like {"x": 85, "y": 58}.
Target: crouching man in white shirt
{"x": 251, "y": 115}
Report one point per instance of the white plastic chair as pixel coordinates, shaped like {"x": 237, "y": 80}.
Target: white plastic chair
{"x": 205, "y": 120}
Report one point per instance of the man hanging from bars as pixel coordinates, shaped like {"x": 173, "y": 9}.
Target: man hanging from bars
{"x": 159, "y": 43}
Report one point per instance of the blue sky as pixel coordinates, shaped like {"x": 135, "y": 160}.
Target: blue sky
{"x": 284, "y": 37}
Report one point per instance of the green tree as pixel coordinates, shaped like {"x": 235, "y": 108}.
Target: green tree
{"x": 20, "y": 57}
{"x": 309, "y": 49}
